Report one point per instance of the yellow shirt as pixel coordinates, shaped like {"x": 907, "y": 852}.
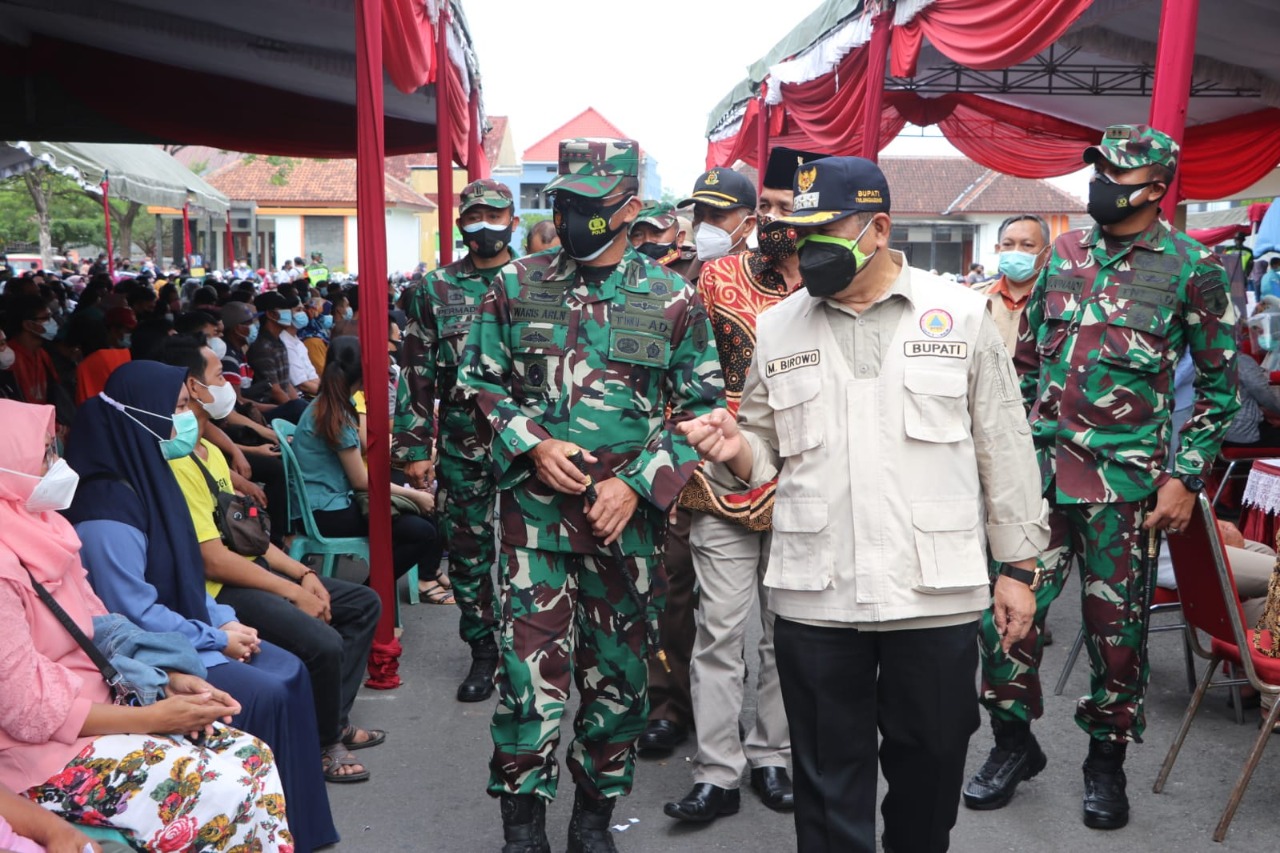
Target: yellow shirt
{"x": 200, "y": 502}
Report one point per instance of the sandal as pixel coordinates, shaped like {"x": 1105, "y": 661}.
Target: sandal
{"x": 434, "y": 592}
{"x": 372, "y": 737}
{"x": 337, "y": 756}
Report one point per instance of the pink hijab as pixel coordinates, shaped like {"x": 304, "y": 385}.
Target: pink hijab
{"x": 46, "y": 541}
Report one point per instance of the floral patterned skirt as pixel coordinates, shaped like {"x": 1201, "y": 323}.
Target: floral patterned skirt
{"x": 170, "y": 795}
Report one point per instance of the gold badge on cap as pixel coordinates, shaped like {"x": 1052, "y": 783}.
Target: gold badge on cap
{"x": 713, "y": 178}
{"x": 805, "y": 179}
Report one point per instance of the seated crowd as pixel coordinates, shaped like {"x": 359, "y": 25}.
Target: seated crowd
{"x": 169, "y": 675}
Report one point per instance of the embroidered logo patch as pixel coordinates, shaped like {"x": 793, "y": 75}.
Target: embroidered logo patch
{"x": 936, "y": 323}
{"x": 808, "y": 358}
{"x": 942, "y": 349}
{"x": 804, "y": 180}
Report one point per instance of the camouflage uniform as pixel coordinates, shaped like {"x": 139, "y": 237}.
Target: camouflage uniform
{"x": 441, "y": 311}
{"x": 609, "y": 366}
{"x": 1101, "y": 335}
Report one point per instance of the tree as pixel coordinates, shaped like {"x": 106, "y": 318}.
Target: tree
{"x": 50, "y": 209}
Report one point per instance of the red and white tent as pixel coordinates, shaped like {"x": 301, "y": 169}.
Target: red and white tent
{"x": 1021, "y": 86}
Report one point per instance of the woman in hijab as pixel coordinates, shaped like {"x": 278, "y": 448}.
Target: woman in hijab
{"x": 64, "y": 743}
{"x": 144, "y": 561}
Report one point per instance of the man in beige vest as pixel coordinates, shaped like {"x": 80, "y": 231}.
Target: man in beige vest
{"x": 1024, "y": 250}
{"x": 885, "y": 404}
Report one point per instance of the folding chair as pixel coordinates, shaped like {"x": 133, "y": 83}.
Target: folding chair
{"x": 1211, "y": 603}
{"x": 1163, "y": 601}
{"x": 311, "y": 540}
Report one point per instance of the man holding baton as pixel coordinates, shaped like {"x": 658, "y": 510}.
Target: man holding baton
{"x": 583, "y": 349}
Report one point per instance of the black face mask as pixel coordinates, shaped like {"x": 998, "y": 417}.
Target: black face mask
{"x": 1109, "y": 201}
{"x": 657, "y": 251}
{"x": 583, "y": 225}
{"x": 829, "y": 264}
{"x": 486, "y": 242}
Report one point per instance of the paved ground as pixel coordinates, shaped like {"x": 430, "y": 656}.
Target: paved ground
{"x": 427, "y": 791}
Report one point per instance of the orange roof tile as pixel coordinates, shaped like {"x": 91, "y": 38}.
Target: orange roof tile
{"x": 589, "y": 122}
{"x": 306, "y": 183}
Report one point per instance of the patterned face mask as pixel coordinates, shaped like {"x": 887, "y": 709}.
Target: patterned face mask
{"x": 777, "y": 239}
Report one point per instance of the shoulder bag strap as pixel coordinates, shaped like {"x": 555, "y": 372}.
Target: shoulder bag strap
{"x": 109, "y": 673}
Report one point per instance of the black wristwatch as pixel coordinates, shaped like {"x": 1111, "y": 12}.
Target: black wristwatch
{"x": 1192, "y": 482}
{"x": 1033, "y": 579}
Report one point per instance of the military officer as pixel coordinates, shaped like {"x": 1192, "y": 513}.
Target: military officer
{"x": 659, "y": 233}
{"x": 1107, "y": 322}
{"x": 590, "y": 347}
{"x": 440, "y": 311}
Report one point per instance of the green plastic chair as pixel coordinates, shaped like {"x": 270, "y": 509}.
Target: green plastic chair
{"x": 311, "y": 540}
{"x": 102, "y": 833}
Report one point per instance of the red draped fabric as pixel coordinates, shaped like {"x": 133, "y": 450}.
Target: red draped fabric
{"x": 984, "y": 34}
{"x": 446, "y": 137}
{"x": 1214, "y": 236}
{"x": 477, "y": 165}
{"x": 1227, "y": 156}
{"x": 1175, "y": 57}
{"x": 408, "y": 49}
{"x": 1257, "y": 210}
{"x": 371, "y": 225}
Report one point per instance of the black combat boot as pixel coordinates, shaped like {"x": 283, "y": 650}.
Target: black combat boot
{"x": 478, "y": 685}
{"x": 1016, "y": 756}
{"x": 589, "y": 825}
{"x": 524, "y": 824}
{"x": 1105, "y": 804}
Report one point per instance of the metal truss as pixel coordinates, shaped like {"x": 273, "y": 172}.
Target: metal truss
{"x": 1053, "y": 73}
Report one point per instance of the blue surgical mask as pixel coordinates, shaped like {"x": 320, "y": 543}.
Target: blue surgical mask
{"x": 286, "y": 318}
{"x": 349, "y": 313}
{"x": 326, "y": 322}
{"x": 186, "y": 429}
{"x": 50, "y": 330}
{"x": 126, "y": 340}
{"x": 253, "y": 334}
{"x": 300, "y": 320}
{"x": 1018, "y": 267}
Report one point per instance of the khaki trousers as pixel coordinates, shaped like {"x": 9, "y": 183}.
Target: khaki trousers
{"x": 730, "y": 563}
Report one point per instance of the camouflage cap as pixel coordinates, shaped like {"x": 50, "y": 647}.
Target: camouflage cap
{"x": 487, "y": 192}
{"x": 659, "y": 214}
{"x": 594, "y": 166}
{"x": 1129, "y": 146}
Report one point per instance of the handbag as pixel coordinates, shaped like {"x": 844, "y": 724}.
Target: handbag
{"x": 1270, "y": 618}
{"x": 244, "y": 524}
{"x": 122, "y": 691}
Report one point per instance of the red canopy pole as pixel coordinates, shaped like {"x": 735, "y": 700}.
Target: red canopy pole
{"x": 231, "y": 249}
{"x": 371, "y": 229}
{"x": 873, "y": 105}
{"x": 475, "y": 151}
{"x": 762, "y": 141}
{"x": 186, "y": 234}
{"x": 106, "y": 215}
{"x": 1175, "y": 55}
{"x": 444, "y": 138}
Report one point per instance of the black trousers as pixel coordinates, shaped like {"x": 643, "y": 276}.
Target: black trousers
{"x": 414, "y": 539}
{"x": 269, "y": 471}
{"x": 335, "y": 654}
{"x": 917, "y": 689}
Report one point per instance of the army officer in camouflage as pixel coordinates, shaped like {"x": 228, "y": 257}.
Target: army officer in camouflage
{"x": 595, "y": 347}
{"x": 441, "y": 310}
{"x": 1108, "y": 320}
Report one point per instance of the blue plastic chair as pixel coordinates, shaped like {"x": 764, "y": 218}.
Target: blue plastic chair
{"x": 102, "y": 833}
{"x": 311, "y": 540}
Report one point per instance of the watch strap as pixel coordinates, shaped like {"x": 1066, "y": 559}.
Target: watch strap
{"x": 1026, "y": 576}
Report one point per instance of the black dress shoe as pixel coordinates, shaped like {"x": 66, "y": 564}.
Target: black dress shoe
{"x": 774, "y": 787}
{"x": 1106, "y": 806}
{"x": 661, "y": 736}
{"x": 704, "y": 803}
{"x": 1015, "y": 757}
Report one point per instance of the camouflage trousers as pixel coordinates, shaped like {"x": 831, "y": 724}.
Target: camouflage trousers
{"x": 567, "y": 617}
{"x": 1108, "y": 542}
{"x": 468, "y": 524}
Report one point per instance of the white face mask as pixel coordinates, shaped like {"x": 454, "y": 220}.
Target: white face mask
{"x": 713, "y": 242}
{"x": 7, "y": 356}
{"x": 224, "y": 400}
{"x": 219, "y": 347}
{"x": 56, "y": 489}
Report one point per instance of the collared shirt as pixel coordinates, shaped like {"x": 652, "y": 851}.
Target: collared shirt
{"x": 1000, "y": 287}
{"x": 300, "y": 367}
{"x": 863, "y": 337}
{"x": 270, "y": 362}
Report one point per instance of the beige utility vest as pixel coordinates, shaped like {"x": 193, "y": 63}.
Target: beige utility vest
{"x": 879, "y": 513}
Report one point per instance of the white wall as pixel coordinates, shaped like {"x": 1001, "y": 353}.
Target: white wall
{"x": 403, "y": 245}
{"x": 402, "y": 242}
{"x": 288, "y": 238}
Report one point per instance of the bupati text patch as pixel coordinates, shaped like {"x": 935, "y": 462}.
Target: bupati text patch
{"x": 944, "y": 349}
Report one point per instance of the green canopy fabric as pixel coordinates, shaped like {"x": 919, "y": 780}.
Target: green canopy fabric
{"x": 142, "y": 173}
